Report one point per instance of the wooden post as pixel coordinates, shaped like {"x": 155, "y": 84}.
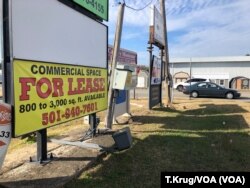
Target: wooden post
{"x": 166, "y": 55}
{"x": 112, "y": 92}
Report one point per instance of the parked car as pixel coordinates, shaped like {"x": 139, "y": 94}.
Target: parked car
{"x": 179, "y": 86}
{"x": 208, "y": 89}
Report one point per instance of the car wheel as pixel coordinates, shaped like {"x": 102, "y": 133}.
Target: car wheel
{"x": 180, "y": 88}
{"x": 194, "y": 94}
{"x": 229, "y": 95}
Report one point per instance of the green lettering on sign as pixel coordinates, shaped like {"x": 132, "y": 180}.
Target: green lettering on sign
{"x": 98, "y": 7}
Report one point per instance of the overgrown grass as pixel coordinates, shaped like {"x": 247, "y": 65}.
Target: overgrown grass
{"x": 212, "y": 138}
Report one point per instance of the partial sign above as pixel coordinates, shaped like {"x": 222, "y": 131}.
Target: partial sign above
{"x": 124, "y": 56}
{"x": 98, "y": 7}
{"x": 157, "y": 29}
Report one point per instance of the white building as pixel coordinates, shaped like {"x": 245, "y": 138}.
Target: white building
{"x": 231, "y": 72}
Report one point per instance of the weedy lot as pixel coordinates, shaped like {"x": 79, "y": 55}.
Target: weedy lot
{"x": 194, "y": 135}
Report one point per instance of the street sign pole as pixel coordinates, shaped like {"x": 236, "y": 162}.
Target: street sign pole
{"x": 41, "y": 140}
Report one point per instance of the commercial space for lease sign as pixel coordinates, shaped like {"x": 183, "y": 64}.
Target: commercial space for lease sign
{"x": 47, "y": 94}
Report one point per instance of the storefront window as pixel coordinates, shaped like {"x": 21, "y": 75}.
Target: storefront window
{"x": 222, "y": 82}
{"x": 245, "y": 84}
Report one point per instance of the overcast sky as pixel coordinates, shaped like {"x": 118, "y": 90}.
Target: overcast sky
{"x": 196, "y": 28}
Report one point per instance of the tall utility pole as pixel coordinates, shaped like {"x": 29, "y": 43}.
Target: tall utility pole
{"x": 166, "y": 55}
{"x": 111, "y": 92}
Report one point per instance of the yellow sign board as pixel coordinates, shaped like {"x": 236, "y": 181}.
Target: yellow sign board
{"x": 48, "y": 94}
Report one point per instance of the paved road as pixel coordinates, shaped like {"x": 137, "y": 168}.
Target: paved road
{"x": 143, "y": 93}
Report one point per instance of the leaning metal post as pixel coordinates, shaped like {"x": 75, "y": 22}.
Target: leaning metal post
{"x": 162, "y": 67}
{"x": 41, "y": 145}
{"x": 150, "y": 50}
{"x": 93, "y": 124}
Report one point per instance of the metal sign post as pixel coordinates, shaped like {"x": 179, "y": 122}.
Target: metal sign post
{"x": 6, "y": 55}
{"x": 162, "y": 67}
{"x": 150, "y": 50}
{"x": 41, "y": 145}
{"x": 93, "y": 124}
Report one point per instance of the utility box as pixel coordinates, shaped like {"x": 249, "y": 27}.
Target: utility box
{"x": 123, "y": 139}
{"x": 124, "y": 78}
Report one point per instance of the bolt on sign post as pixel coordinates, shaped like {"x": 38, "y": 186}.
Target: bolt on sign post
{"x": 5, "y": 130}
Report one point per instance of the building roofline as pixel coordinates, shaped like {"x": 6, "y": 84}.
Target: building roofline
{"x": 123, "y": 49}
{"x": 211, "y": 59}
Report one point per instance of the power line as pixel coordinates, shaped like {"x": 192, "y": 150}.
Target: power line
{"x": 137, "y": 9}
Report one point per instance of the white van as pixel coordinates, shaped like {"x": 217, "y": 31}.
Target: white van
{"x": 179, "y": 86}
